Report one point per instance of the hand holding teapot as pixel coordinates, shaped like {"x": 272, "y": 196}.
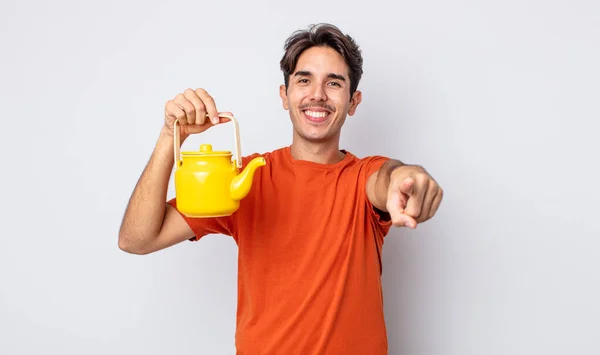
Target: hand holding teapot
{"x": 195, "y": 111}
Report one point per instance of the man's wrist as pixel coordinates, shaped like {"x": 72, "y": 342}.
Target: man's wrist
{"x": 388, "y": 168}
{"x": 405, "y": 170}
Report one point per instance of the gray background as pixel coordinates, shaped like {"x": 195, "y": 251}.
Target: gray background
{"x": 497, "y": 99}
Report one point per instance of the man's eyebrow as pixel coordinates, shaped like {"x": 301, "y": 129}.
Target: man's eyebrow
{"x": 337, "y": 76}
{"x": 330, "y": 75}
{"x": 303, "y": 73}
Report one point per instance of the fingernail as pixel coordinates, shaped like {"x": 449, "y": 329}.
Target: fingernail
{"x": 215, "y": 120}
{"x": 408, "y": 224}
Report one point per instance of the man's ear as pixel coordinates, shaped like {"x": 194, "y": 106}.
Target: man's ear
{"x": 354, "y": 102}
{"x": 283, "y": 95}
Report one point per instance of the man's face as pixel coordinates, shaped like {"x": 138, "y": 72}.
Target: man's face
{"x": 318, "y": 95}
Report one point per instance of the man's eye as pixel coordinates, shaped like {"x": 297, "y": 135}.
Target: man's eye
{"x": 334, "y": 83}
{"x": 303, "y": 81}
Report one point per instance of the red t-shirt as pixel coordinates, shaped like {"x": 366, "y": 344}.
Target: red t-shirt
{"x": 309, "y": 270}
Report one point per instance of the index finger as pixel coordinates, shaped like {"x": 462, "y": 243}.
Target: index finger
{"x": 395, "y": 206}
{"x": 209, "y": 103}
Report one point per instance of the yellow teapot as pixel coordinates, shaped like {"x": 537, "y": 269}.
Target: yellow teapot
{"x": 207, "y": 182}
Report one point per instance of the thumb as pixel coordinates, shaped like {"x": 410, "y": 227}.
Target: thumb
{"x": 223, "y": 120}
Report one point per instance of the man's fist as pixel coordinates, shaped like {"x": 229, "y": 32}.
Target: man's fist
{"x": 413, "y": 196}
{"x": 196, "y": 111}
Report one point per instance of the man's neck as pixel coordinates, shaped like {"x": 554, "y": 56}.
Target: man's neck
{"x": 321, "y": 153}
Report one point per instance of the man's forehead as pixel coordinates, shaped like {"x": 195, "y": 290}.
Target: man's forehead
{"x": 322, "y": 60}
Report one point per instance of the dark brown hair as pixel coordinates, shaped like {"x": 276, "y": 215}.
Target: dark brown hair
{"x": 325, "y": 35}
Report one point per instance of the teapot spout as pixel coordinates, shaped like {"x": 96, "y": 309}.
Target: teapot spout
{"x": 240, "y": 185}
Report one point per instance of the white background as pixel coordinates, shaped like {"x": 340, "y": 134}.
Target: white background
{"x": 497, "y": 99}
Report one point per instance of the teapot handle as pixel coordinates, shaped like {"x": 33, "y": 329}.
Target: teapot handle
{"x": 236, "y": 133}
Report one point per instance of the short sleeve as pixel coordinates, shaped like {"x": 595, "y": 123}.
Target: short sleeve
{"x": 205, "y": 226}
{"x": 381, "y": 220}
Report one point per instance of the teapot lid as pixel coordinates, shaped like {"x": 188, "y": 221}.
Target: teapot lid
{"x": 206, "y": 150}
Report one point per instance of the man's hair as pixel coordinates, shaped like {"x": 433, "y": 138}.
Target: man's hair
{"x": 324, "y": 35}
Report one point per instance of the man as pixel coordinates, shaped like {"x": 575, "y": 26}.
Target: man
{"x": 310, "y": 232}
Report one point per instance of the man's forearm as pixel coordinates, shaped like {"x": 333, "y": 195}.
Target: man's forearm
{"x": 146, "y": 208}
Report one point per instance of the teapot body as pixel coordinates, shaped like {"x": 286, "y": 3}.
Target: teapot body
{"x": 203, "y": 186}
{"x": 209, "y": 183}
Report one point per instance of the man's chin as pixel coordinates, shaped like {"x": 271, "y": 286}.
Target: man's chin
{"x": 314, "y": 137}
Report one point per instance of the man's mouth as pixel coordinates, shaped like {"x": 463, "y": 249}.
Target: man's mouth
{"x": 316, "y": 115}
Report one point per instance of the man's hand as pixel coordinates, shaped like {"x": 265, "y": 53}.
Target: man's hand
{"x": 413, "y": 196}
{"x": 196, "y": 111}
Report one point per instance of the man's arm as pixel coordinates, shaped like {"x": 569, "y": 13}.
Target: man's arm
{"x": 407, "y": 192}
{"x": 150, "y": 223}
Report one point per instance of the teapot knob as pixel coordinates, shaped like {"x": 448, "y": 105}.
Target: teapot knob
{"x": 206, "y": 148}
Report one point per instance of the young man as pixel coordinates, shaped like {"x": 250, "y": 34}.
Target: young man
{"x": 311, "y": 230}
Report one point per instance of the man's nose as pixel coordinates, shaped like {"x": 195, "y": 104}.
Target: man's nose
{"x": 318, "y": 93}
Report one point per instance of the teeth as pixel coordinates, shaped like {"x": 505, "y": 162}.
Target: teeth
{"x": 316, "y": 114}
